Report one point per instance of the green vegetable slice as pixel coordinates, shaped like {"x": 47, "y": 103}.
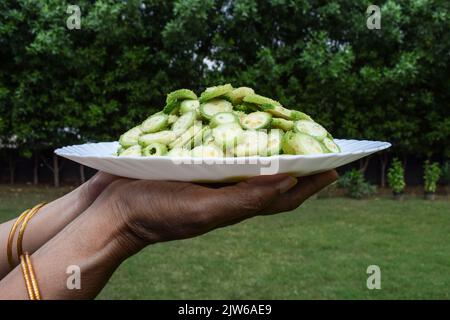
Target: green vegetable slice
{"x": 133, "y": 151}
{"x": 280, "y": 123}
{"x": 298, "y": 115}
{"x": 199, "y": 138}
{"x": 178, "y": 153}
{"x": 119, "y": 151}
{"x": 260, "y": 100}
{"x": 223, "y": 118}
{"x": 311, "y": 128}
{"x": 237, "y": 95}
{"x": 131, "y": 137}
{"x": 251, "y": 143}
{"x": 246, "y": 107}
{"x": 300, "y": 143}
{"x": 330, "y": 145}
{"x": 227, "y": 135}
{"x": 184, "y": 139}
{"x": 214, "y": 92}
{"x": 180, "y": 95}
{"x": 184, "y": 122}
{"x": 154, "y": 149}
{"x": 274, "y": 142}
{"x": 256, "y": 120}
{"x": 172, "y": 119}
{"x": 171, "y": 107}
{"x": 207, "y": 151}
{"x": 189, "y": 105}
{"x": 279, "y": 111}
{"x": 155, "y": 123}
{"x": 164, "y": 137}
{"x": 210, "y": 108}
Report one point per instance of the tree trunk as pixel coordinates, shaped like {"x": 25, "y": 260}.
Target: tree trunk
{"x": 82, "y": 176}
{"x": 363, "y": 164}
{"x": 55, "y": 170}
{"x": 384, "y": 161}
{"x": 36, "y": 169}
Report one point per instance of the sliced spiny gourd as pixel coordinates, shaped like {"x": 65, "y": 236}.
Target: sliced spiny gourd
{"x": 215, "y": 92}
{"x": 179, "y": 153}
{"x": 155, "y": 123}
{"x": 256, "y": 120}
{"x": 260, "y": 100}
{"x": 184, "y": 122}
{"x": 189, "y": 105}
{"x": 311, "y": 128}
{"x": 154, "y": 149}
{"x": 223, "y": 118}
{"x": 251, "y": 143}
{"x": 164, "y": 137}
{"x": 274, "y": 142}
{"x": 133, "y": 151}
{"x": 280, "y": 123}
{"x": 235, "y": 123}
{"x": 210, "y": 108}
{"x": 227, "y": 135}
{"x": 180, "y": 95}
{"x": 207, "y": 151}
{"x": 131, "y": 137}
{"x": 300, "y": 143}
{"x": 184, "y": 139}
{"x": 330, "y": 145}
{"x": 237, "y": 95}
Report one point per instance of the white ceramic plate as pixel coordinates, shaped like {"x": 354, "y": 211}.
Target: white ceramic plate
{"x": 99, "y": 156}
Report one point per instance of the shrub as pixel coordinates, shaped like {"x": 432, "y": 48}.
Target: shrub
{"x": 445, "y": 173}
{"x": 396, "y": 176}
{"x": 431, "y": 176}
{"x": 355, "y": 186}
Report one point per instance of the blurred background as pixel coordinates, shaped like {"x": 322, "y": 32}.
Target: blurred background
{"x": 60, "y": 86}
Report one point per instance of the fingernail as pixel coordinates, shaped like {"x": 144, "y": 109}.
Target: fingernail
{"x": 286, "y": 184}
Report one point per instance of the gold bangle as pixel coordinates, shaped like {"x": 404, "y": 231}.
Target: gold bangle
{"x": 25, "y": 260}
{"x": 34, "y": 282}
{"x": 26, "y": 276}
{"x": 28, "y": 217}
{"x": 11, "y": 238}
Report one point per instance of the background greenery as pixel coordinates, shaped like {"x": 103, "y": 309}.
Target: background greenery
{"x": 321, "y": 250}
{"x": 59, "y": 86}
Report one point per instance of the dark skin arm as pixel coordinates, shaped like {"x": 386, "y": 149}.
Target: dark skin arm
{"x": 131, "y": 214}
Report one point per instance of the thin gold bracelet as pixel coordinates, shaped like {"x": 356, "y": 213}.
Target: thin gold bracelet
{"x": 25, "y": 260}
{"x": 34, "y": 283}
{"x": 11, "y": 238}
{"x": 26, "y": 276}
{"x": 28, "y": 217}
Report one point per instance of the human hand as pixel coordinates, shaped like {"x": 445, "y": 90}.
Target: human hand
{"x": 156, "y": 211}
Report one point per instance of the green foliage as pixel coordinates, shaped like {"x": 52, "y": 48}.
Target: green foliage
{"x": 445, "y": 173}
{"x": 59, "y": 86}
{"x": 396, "y": 176}
{"x": 355, "y": 185}
{"x": 431, "y": 176}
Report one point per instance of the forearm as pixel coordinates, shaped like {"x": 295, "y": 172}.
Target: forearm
{"x": 91, "y": 242}
{"x": 52, "y": 218}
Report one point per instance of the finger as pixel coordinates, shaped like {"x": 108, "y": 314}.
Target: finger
{"x": 90, "y": 190}
{"x": 305, "y": 188}
{"x": 246, "y": 198}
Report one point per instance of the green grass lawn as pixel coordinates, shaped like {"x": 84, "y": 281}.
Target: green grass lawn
{"x": 319, "y": 251}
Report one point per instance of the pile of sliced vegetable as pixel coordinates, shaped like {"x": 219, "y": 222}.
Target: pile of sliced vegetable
{"x": 225, "y": 122}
